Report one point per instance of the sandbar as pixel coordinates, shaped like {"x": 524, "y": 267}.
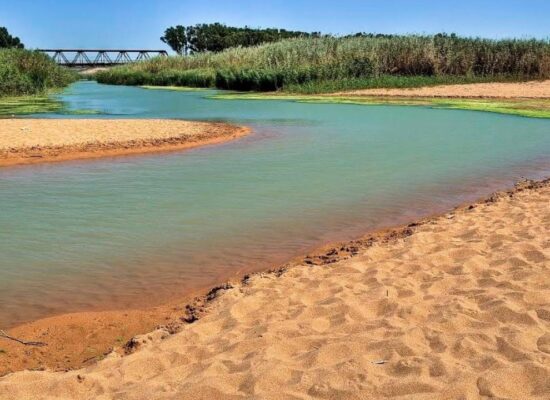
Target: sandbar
{"x": 501, "y": 90}
{"x": 29, "y": 141}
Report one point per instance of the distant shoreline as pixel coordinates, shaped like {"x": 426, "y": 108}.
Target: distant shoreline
{"x": 31, "y": 141}
{"x": 488, "y": 90}
{"x": 525, "y": 99}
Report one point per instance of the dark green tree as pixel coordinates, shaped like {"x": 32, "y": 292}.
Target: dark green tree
{"x": 176, "y": 38}
{"x": 9, "y": 41}
{"x": 217, "y": 37}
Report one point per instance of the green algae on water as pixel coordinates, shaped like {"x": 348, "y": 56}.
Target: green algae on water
{"x": 82, "y": 111}
{"x": 25, "y": 105}
{"x": 532, "y": 108}
{"x": 174, "y": 88}
{"x": 29, "y": 105}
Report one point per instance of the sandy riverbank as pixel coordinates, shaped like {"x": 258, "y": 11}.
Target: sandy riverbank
{"x": 27, "y": 141}
{"x": 527, "y": 99}
{"x": 450, "y": 307}
{"x": 502, "y": 90}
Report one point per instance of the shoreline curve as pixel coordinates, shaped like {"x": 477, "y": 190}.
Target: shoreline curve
{"x": 34, "y": 140}
{"x": 171, "y": 318}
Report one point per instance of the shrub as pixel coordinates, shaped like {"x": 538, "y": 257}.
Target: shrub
{"x": 24, "y": 72}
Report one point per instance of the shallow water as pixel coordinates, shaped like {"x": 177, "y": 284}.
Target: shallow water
{"x": 136, "y": 230}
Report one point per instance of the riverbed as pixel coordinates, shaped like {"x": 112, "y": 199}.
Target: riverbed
{"x": 133, "y": 231}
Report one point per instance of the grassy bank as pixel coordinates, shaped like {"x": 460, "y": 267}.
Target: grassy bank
{"x": 24, "y": 73}
{"x": 317, "y": 65}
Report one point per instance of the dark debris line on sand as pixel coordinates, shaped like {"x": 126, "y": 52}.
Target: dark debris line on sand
{"x": 23, "y": 342}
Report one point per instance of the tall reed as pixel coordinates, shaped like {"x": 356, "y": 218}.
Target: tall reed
{"x": 302, "y": 61}
{"x": 24, "y": 72}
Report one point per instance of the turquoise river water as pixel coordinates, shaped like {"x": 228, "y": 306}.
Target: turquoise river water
{"x": 136, "y": 230}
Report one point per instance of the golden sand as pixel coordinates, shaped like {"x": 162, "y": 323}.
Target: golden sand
{"x": 532, "y": 90}
{"x": 453, "y": 307}
{"x": 24, "y": 141}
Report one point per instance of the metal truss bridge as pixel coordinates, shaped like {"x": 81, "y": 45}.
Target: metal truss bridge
{"x": 100, "y": 58}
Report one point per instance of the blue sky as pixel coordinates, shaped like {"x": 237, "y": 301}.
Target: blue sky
{"x": 140, "y": 23}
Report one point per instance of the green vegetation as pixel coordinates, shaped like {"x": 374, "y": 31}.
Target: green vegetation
{"x": 217, "y": 37}
{"x": 24, "y": 72}
{"x": 389, "y": 81}
{"x": 176, "y": 88}
{"x": 535, "y": 108}
{"x": 28, "y": 105}
{"x": 8, "y": 41}
{"x": 522, "y": 108}
{"x": 176, "y": 38}
{"x": 37, "y": 104}
{"x": 26, "y": 77}
{"x": 325, "y": 64}
{"x": 129, "y": 75}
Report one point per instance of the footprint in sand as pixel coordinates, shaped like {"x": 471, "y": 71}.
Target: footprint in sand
{"x": 543, "y": 344}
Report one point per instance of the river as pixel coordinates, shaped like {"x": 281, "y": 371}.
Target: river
{"x": 137, "y": 230}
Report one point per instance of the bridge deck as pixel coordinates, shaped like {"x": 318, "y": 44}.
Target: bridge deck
{"x": 100, "y": 57}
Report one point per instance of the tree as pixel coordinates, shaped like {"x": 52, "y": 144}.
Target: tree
{"x": 218, "y": 37}
{"x": 176, "y": 38}
{"x": 8, "y": 41}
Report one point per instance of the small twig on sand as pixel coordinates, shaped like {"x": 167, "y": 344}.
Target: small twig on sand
{"x": 23, "y": 342}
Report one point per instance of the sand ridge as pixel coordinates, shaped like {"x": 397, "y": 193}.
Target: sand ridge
{"x": 25, "y": 141}
{"x": 503, "y": 90}
{"x": 452, "y": 307}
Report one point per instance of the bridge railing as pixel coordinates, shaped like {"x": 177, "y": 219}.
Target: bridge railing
{"x": 100, "y": 57}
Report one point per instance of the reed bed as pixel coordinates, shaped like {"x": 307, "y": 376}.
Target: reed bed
{"x": 329, "y": 63}
{"x": 24, "y": 72}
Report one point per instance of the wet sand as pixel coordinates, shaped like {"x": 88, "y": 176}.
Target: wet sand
{"x": 29, "y": 141}
{"x": 503, "y": 90}
{"x": 455, "y": 306}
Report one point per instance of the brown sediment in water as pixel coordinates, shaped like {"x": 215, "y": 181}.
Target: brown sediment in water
{"x": 450, "y": 306}
{"x": 77, "y": 339}
{"x": 30, "y": 141}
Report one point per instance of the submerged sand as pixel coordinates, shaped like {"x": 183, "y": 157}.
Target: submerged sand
{"x": 453, "y": 307}
{"x": 526, "y": 90}
{"x": 24, "y": 141}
